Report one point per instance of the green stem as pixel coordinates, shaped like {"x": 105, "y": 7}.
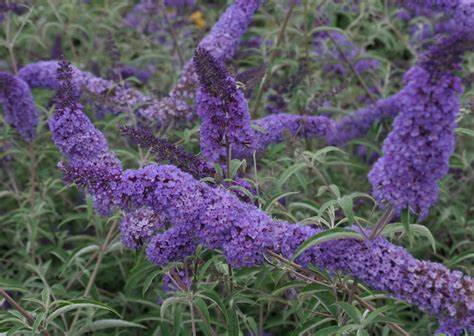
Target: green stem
{"x": 281, "y": 35}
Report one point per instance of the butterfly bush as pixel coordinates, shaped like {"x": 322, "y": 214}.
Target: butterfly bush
{"x": 162, "y": 111}
{"x": 456, "y": 14}
{"x": 18, "y": 105}
{"x": 193, "y": 212}
{"x": 226, "y": 120}
{"x": 222, "y": 41}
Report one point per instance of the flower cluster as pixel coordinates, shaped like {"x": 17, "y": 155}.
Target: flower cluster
{"x": 222, "y": 41}
{"x": 216, "y": 219}
{"x": 417, "y": 150}
{"x": 43, "y": 74}
{"x": 75, "y": 135}
{"x": 138, "y": 226}
{"x": 222, "y": 108}
{"x": 457, "y": 15}
{"x": 18, "y": 105}
{"x": 277, "y": 127}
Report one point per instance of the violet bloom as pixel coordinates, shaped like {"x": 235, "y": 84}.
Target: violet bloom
{"x": 18, "y": 105}
{"x": 222, "y": 108}
{"x": 75, "y": 135}
{"x": 116, "y": 97}
{"x": 457, "y": 15}
{"x": 417, "y": 151}
{"x": 277, "y": 127}
{"x": 138, "y": 226}
{"x": 68, "y": 112}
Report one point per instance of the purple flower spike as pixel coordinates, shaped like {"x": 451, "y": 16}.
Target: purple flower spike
{"x": 18, "y": 106}
{"x": 222, "y": 108}
{"x": 277, "y": 127}
{"x": 118, "y": 98}
{"x": 417, "y": 150}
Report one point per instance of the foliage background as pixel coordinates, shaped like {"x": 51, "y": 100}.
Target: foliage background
{"x": 66, "y": 265}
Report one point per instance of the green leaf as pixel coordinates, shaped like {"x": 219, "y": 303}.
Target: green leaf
{"x": 277, "y": 198}
{"x": 459, "y": 258}
{"x": 168, "y": 302}
{"x": 214, "y": 297}
{"x": 351, "y": 311}
{"x": 347, "y": 206}
{"x": 75, "y": 306}
{"x": 414, "y": 228}
{"x": 465, "y": 131}
{"x": 109, "y": 323}
{"x": 325, "y": 236}
{"x": 308, "y": 326}
{"x": 202, "y": 307}
{"x": 290, "y": 171}
{"x": 232, "y": 323}
{"x": 148, "y": 281}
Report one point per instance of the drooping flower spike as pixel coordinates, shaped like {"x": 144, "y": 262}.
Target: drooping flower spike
{"x": 74, "y": 134}
{"x": 216, "y": 219}
{"x": 18, "y": 105}
{"x": 417, "y": 150}
{"x": 222, "y": 108}
{"x": 43, "y": 74}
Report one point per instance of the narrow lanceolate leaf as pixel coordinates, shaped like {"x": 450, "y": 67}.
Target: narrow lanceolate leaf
{"x": 413, "y": 228}
{"x": 326, "y": 236}
{"x": 465, "y": 131}
{"x": 290, "y": 171}
{"x": 232, "y": 323}
{"x": 109, "y": 323}
{"x": 75, "y": 306}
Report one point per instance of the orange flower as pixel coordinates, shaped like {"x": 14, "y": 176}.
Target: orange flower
{"x": 198, "y": 19}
